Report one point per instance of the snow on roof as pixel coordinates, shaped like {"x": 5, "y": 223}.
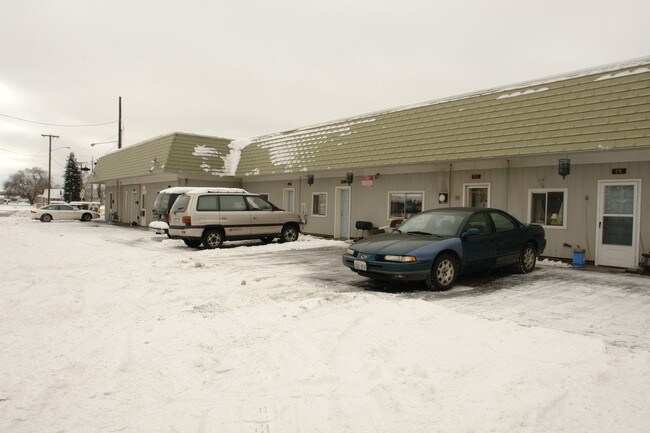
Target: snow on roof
{"x": 525, "y": 92}
{"x": 623, "y": 74}
{"x": 230, "y": 161}
{"x": 297, "y": 148}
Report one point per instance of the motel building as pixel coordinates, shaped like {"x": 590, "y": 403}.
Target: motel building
{"x": 570, "y": 152}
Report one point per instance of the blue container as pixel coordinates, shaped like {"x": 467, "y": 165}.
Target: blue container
{"x": 578, "y": 258}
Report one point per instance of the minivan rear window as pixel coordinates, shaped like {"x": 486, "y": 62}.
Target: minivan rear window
{"x": 181, "y": 203}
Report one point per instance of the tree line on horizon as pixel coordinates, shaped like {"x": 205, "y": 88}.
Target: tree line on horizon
{"x": 29, "y": 183}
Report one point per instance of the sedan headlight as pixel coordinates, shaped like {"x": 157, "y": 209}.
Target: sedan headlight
{"x": 403, "y": 259}
{"x": 349, "y": 252}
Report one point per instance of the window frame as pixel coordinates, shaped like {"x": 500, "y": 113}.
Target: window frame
{"x": 391, "y": 218}
{"x": 312, "y": 205}
{"x": 565, "y": 202}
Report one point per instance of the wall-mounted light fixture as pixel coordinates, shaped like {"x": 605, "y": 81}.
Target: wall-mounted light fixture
{"x": 310, "y": 179}
{"x": 349, "y": 177}
{"x": 564, "y": 167}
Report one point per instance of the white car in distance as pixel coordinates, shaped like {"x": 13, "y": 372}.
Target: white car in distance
{"x": 62, "y": 212}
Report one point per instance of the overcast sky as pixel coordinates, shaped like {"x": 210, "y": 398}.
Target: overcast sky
{"x": 239, "y": 69}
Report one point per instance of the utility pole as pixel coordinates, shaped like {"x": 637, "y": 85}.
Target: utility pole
{"x": 119, "y": 125}
{"x": 49, "y": 165}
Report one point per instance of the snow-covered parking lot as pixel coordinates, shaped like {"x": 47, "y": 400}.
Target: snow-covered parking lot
{"x": 114, "y": 329}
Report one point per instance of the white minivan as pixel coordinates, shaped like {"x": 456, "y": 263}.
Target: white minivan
{"x": 210, "y": 216}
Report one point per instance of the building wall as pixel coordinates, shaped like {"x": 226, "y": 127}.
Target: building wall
{"x": 510, "y": 186}
{"x": 127, "y": 197}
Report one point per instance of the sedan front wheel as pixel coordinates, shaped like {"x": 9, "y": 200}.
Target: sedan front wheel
{"x": 289, "y": 233}
{"x": 443, "y": 272}
{"x": 527, "y": 259}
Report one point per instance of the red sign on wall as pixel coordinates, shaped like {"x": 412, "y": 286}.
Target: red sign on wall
{"x": 367, "y": 181}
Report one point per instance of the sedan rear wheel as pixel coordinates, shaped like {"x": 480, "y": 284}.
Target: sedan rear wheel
{"x": 86, "y": 217}
{"x": 46, "y": 217}
{"x": 443, "y": 272}
{"x": 212, "y": 238}
{"x": 527, "y": 259}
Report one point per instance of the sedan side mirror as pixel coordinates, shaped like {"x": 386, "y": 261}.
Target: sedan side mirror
{"x": 471, "y": 232}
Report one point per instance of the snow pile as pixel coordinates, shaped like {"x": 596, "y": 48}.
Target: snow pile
{"x": 158, "y": 225}
{"x": 553, "y": 263}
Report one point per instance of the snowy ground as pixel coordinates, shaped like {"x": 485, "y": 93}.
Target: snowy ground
{"x": 114, "y": 329}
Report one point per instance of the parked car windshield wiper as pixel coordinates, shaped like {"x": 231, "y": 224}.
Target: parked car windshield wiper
{"x": 416, "y": 232}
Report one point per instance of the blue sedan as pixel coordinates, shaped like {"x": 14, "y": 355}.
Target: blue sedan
{"x": 436, "y": 246}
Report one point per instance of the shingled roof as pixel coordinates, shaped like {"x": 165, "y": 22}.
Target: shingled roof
{"x": 172, "y": 153}
{"x": 607, "y": 107}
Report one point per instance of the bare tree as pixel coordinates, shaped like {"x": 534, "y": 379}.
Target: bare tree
{"x": 27, "y": 183}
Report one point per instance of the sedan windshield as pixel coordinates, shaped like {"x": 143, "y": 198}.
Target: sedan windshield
{"x": 434, "y": 223}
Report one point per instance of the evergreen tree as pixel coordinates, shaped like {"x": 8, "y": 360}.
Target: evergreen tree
{"x": 72, "y": 181}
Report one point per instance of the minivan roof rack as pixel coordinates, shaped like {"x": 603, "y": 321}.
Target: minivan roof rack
{"x": 225, "y": 190}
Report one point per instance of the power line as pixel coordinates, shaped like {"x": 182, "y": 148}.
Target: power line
{"x": 18, "y": 153}
{"x": 54, "y": 124}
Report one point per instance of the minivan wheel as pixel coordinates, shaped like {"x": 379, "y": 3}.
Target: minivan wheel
{"x": 192, "y": 243}
{"x": 444, "y": 272}
{"x": 212, "y": 238}
{"x": 289, "y": 233}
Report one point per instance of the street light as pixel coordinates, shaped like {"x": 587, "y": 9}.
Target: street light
{"x": 103, "y": 142}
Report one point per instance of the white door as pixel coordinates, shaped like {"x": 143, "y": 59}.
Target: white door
{"x": 476, "y": 195}
{"x": 617, "y": 227}
{"x": 288, "y": 199}
{"x": 342, "y": 216}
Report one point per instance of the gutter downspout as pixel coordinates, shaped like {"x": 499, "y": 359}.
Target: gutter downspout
{"x": 449, "y": 201}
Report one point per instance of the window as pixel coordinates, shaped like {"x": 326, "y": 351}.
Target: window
{"x": 264, "y": 195}
{"x": 232, "y": 203}
{"x": 404, "y": 204}
{"x": 319, "y": 204}
{"x": 207, "y": 203}
{"x": 502, "y": 223}
{"x": 479, "y": 221}
{"x": 258, "y": 203}
{"x": 546, "y": 207}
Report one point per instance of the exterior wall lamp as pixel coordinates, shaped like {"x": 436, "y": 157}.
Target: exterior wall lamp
{"x": 349, "y": 177}
{"x": 564, "y": 167}
{"x": 310, "y": 179}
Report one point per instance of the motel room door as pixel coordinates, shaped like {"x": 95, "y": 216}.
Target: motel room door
{"x": 617, "y": 226}
{"x": 342, "y": 215}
